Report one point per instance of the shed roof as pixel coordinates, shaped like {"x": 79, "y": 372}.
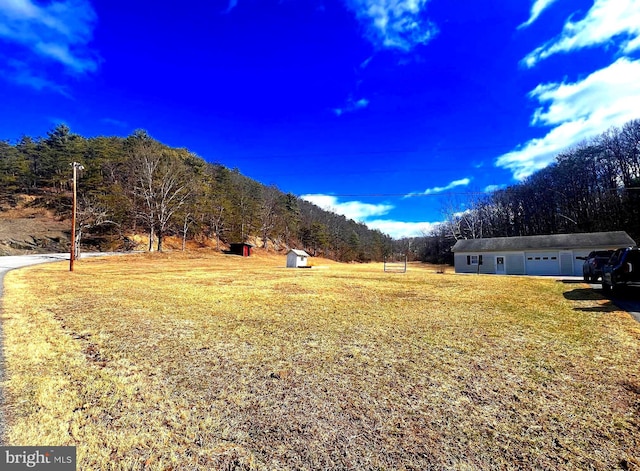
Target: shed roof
{"x": 299, "y": 253}
{"x": 541, "y": 242}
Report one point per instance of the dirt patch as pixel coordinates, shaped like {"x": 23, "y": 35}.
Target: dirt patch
{"x": 28, "y": 227}
{"x": 33, "y": 235}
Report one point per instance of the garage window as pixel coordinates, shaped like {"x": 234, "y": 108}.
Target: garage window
{"x": 474, "y": 259}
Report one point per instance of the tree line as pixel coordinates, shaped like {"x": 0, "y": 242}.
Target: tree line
{"x": 592, "y": 187}
{"x": 136, "y": 185}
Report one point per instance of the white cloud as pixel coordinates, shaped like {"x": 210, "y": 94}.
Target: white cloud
{"x": 365, "y": 63}
{"x": 115, "y": 122}
{"x": 440, "y": 189}
{"x": 400, "y": 229}
{"x": 536, "y": 10}
{"x": 231, "y": 6}
{"x": 611, "y": 93}
{"x": 605, "y": 21}
{"x": 355, "y": 210}
{"x": 394, "y": 24}
{"x": 361, "y": 212}
{"x": 58, "y": 31}
{"x": 20, "y": 73}
{"x": 608, "y": 97}
{"x": 351, "y": 106}
{"x": 492, "y": 188}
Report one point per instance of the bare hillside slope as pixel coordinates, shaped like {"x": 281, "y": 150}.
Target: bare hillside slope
{"x": 26, "y": 228}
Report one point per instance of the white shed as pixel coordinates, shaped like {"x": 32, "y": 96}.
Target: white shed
{"x": 297, "y": 258}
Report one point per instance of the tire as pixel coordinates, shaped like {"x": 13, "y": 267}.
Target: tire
{"x": 594, "y": 278}
{"x": 606, "y": 289}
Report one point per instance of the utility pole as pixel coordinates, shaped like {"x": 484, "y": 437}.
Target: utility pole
{"x": 76, "y": 166}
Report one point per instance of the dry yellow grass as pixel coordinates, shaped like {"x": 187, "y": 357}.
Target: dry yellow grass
{"x": 205, "y": 362}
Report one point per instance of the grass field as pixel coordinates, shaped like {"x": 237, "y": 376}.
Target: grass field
{"x": 173, "y": 361}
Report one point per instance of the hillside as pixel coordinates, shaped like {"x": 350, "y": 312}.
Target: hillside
{"x": 136, "y": 187}
{"x": 28, "y": 229}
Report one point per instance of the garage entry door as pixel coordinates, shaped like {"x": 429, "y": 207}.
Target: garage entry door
{"x": 542, "y": 263}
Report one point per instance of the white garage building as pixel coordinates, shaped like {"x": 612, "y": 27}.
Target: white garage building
{"x": 533, "y": 255}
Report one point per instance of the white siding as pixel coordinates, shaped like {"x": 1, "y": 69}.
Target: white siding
{"x": 294, "y": 260}
{"x": 460, "y": 262}
{"x": 488, "y": 263}
{"x": 515, "y": 263}
{"x": 566, "y": 263}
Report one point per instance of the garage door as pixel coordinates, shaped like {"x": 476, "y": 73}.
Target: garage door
{"x": 542, "y": 263}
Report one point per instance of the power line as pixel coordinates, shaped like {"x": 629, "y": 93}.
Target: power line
{"x": 330, "y": 172}
{"x": 404, "y": 195}
{"x": 434, "y": 149}
{"x": 447, "y": 193}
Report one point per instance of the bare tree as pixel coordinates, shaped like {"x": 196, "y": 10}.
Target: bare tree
{"x": 463, "y": 220}
{"x": 91, "y": 213}
{"x": 216, "y": 221}
{"x": 268, "y": 212}
{"x": 145, "y": 188}
{"x": 160, "y": 180}
{"x": 187, "y": 221}
{"x": 173, "y": 190}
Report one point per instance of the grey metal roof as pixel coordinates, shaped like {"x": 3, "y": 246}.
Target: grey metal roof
{"x": 299, "y": 253}
{"x": 541, "y": 242}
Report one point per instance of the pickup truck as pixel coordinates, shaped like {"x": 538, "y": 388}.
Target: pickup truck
{"x": 622, "y": 269}
{"x": 593, "y": 263}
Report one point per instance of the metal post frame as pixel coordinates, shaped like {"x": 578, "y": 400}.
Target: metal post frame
{"x": 395, "y": 263}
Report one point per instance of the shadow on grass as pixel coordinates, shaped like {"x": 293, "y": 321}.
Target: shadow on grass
{"x": 588, "y": 294}
{"x": 572, "y": 281}
{"x": 582, "y": 294}
{"x": 609, "y": 307}
{"x": 625, "y": 298}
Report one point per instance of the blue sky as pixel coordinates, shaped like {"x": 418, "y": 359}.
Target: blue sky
{"x": 387, "y": 111}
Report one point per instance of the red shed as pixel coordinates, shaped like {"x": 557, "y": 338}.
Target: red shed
{"x": 241, "y": 249}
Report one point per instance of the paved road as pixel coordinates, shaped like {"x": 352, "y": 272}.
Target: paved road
{"x": 8, "y": 263}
